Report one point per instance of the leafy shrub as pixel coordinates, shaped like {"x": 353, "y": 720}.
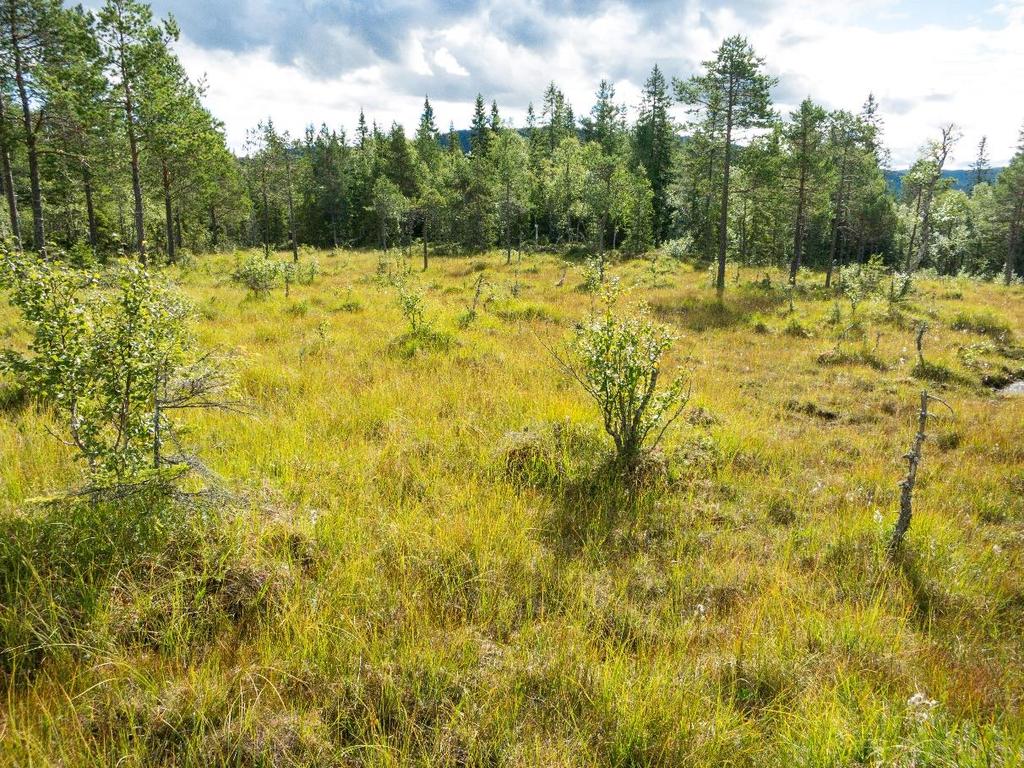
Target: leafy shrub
{"x": 594, "y": 272}
{"x": 296, "y": 272}
{"x": 113, "y": 354}
{"x": 679, "y": 248}
{"x": 617, "y": 361}
{"x": 863, "y": 281}
{"x": 259, "y": 274}
{"x": 410, "y": 301}
{"x": 350, "y": 303}
{"x": 421, "y": 335}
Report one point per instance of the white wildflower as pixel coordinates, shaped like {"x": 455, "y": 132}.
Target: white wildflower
{"x": 921, "y": 706}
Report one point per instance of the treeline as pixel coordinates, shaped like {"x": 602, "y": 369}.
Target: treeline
{"x": 107, "y": 137}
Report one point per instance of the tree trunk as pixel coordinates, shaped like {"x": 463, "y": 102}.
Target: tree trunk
{"x": 291, "y": 208}
{"x": 1012, "y": 245}
{"x": 266, "y": 218}
{"x": 8, "y": 177}
{"x": 214, "y": 235}
{"x": 913, "y": 458}
{"x": 913, "y": 233}
{"x": 38, "y": 231}
{"x": 90, "y": 209}
{"x": 723, "y": 221}
{"x": 508, "y": 229}
{"x": 133, "y": 148}
{"x": 426, "y": 227}
{"x": 840, "y": 202}
{"x": 168, "y": 212}
{"x": 926, "y": 219}
{"x": 798, "y": 237}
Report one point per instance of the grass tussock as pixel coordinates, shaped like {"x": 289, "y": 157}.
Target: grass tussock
{"x": 430, "y": 558}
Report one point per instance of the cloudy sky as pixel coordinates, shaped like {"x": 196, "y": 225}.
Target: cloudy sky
{"x": 310, "y": 61}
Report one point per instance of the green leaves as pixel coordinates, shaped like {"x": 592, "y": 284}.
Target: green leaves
{"x": 111, "y": 353}
{"x": 617, "y": 359}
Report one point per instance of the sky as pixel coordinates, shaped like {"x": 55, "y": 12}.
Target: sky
{"x": 319, "y": 61}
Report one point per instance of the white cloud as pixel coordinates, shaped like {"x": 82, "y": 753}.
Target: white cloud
{"x": 417, "y": 57}
{"x": 835, "y": 51}
{"x": 447, "y": 61}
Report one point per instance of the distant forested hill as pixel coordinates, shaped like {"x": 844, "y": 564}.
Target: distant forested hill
{"x": 962, "y": 179}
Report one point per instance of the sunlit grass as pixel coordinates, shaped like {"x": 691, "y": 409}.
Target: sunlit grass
{"x": 387, "y": 590}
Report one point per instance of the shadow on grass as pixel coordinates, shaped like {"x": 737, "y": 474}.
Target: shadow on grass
{"x": 929, "y": 602}
{"x": 56, "y": 564}
{"x": 13, "y": 398}
{"x": 422, "y": 341}
{"x": 594, "y": 500}
{"x": 702, "y": 313}
{"x": 937, "y": 373}
{"x": 605, "y": 509}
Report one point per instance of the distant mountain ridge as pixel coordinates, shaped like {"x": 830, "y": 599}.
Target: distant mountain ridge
{"x": 963, "y": 178}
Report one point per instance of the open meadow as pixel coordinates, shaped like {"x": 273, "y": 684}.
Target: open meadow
{"x": 417, "y": 554}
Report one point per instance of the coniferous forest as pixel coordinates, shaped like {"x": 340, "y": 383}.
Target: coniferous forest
{"x": 685, "y": 432}
{"x": 108, "y": 149}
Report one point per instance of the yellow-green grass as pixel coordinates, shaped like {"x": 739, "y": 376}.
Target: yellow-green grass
{"x": 387, "y": 589}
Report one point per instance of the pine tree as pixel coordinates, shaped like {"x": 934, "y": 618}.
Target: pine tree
{"x": 7, "y": 165}
{"x": 26, "y": 51}
{"x": 1009, "y": 190}
{"x": 735, "y": 91}
{"x": 401, "y": 163}
{"x": 805, "y": 139}
{"x": 79, "y": 125}
{"x": 454, "y": 142}
{"x": 554, "y": 114}
{"x": 133, "y": 45}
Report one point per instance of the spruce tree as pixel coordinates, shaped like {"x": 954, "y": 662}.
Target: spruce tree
{"x": 606, "y": 124}
{"x": 654, "y": 145}
{"x": 479, "y": 130}
{"x": 982, "y": 166}
{"x": 427, "y": 135}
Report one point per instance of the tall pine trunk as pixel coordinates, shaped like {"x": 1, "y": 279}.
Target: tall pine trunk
{"x": 168, "y": 212}
{"x": 291, "y": 208}
{"x": 426, "y": 227}
{"x": 266, "y": 217}
{"x": 90, "y": 208}
{"x": 840, "y": 202}
{"x": 507, "y": 227}
{"x": 38, "y": 230}
{"x": 798, "y": 236}
{"x": 1014, "y": 236}
{"x": 214, "y": 237}
{"x": 723, "y": 221}
{"x": 913, "y": 233}
{"x": 8, "y": 180}
{"x": 133, "y": 151}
